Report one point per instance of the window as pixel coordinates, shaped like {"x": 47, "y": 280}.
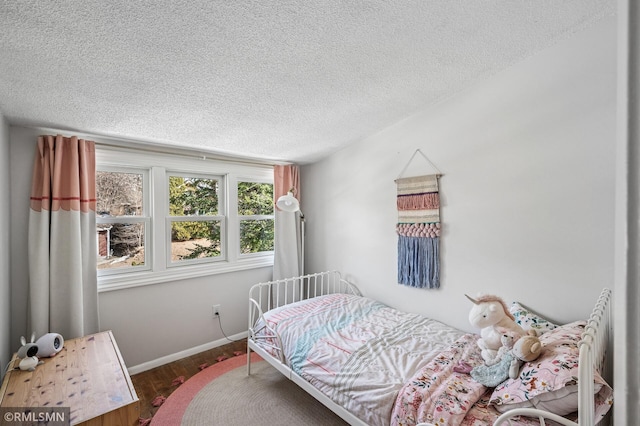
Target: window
{"x": 195, "y": 222}
{"x": 163, "y": 217}
{"x": 255, "y": 211}
{"x": 121, "y": 220}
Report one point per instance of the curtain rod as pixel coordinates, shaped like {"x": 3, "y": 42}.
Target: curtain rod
{"x": 161, "y": 148}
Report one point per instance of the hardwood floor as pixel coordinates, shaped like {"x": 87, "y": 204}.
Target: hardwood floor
{"x": 157, "y": 381}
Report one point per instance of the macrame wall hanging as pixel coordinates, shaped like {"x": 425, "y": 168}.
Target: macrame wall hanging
{"x": 418, "y": 229}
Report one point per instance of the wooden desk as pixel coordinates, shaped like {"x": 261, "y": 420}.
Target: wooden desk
{"x": 88, "y": 375}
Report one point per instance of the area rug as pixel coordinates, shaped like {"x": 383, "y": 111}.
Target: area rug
{"x": 223, "y": 394}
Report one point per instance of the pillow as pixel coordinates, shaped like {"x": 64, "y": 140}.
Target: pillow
{"x": 551, "y": 382}
{"x": 529, "y": 320}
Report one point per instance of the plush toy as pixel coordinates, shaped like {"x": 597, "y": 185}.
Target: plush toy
{"x": 27, "y": 353}
{"x": 528, "y": 347}
{"x": 490, "y": 314}
{"x": 505, "y": 365}
{"x": 492, "y": 375}
{"x": 508, "y": 338}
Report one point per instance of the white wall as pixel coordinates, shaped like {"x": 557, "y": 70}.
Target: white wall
{"x": 150, "y": 323}
{"x": 160, "y": 320}
{"x": 528, "y": 158}
{"x": 6, "y": 348}
{"x": 627, "y": 323}
{"x": 21, "y": 164}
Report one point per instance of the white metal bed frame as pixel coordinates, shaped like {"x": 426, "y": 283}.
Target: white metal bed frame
{"x": 270, "y": 295}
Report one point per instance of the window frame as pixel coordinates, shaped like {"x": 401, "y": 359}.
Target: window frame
{"x": 144, "y": 218}
{"x": 252, "y": 217}
{"x": 221, "y": 217}
{"x": 159, "y": 166}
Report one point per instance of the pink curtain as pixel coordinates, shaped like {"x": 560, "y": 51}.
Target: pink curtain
{"x": 288, "y": 258}
{"x": 63, "y": 295}
{"x": 285, "y": 178}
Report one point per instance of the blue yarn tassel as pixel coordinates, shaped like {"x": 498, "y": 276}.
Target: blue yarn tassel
{"x": 418, "y": 261}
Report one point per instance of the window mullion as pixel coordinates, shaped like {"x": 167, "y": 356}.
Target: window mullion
{"x": 122, "y": 219}
{"x": 232, "y": 222}
{"x": 159, "y": 202}
{"x": 256, "y": 217}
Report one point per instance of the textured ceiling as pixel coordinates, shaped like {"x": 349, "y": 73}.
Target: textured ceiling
{"x": 288, "y": 80}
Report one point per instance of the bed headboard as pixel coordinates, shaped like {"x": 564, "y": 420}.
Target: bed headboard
{"x": 596, "y": 340}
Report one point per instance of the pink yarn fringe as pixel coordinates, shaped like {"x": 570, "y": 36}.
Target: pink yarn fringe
{"x": 429, "y": 201}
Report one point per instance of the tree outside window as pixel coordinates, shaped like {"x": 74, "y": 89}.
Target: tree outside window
{"x": 120, "y": 220}
{"x": 195, "y": 220}
{"x": 255, "y": 211}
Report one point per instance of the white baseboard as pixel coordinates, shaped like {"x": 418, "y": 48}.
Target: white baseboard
{"x": 183, "y": 354}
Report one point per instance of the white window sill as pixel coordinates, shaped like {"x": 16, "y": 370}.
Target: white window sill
{"x": 138, "y": 279}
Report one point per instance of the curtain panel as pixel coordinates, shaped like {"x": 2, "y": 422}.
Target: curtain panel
{"x": 288, "y": 238}
{"x": 63, "y": 295}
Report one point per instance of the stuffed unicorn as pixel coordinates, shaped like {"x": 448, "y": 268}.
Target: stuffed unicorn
{"x": 491, "y": 315}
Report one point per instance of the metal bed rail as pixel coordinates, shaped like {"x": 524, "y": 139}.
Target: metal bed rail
{"x": 273, "y": 294}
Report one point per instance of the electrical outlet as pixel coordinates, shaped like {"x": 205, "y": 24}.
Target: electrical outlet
{"x": 216, "y": 310}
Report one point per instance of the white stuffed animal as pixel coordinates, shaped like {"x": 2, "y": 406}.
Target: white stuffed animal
{"x": 504, "y": 365}
{"x": 27, "y": 353}
{"x": 491, "y": 315}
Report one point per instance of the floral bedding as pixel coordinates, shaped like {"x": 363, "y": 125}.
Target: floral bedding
{"x": 440, "y": 393}
{"x": 551, "y": 381}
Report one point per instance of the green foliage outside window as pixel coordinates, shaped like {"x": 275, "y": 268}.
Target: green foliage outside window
{"x": 192, "y": 197}
{"x": 256, "y": 235}
{"x": 198, "y": 197}
{"x": 255, "y": 198}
